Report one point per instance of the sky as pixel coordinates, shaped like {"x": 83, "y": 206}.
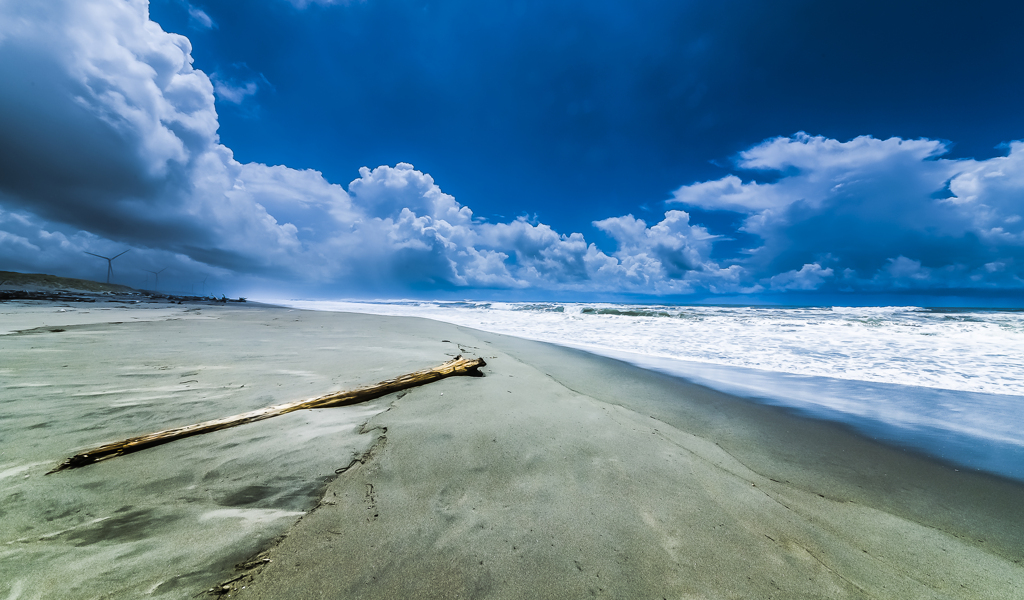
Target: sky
{"x": 659, "y": 151}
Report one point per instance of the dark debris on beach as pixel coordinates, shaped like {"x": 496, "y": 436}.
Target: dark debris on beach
{"x": 136, "y": 297}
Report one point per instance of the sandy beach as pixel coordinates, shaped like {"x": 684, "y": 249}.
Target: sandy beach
{"x": 557, "y": 475}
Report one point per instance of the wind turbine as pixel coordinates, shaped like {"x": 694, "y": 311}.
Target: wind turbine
{"x": 156, "y": 274}
{"x": 110, "y": 267}
{"x": 204, "y": 284}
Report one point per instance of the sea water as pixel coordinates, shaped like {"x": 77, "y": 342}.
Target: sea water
{"x": 947, "y": 382}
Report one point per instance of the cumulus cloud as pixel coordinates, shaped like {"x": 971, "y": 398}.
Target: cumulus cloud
{"x": 821, "y": 170}
{"x": 730, "y": 193}
{"x": 671, "y": 256}
{"x": 102, "y": 110}
{"x": 430, "y": 236}
{"x": 120, "y": 146}
{"x": 111, "y": 140}
{"x": 991, "y": 193}
{"x": 871, "y": 206}
{"x": 809, "y": 277}
{"x": 111, "y": 130}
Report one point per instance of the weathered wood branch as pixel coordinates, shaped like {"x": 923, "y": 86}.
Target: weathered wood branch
{"x": 456, "y": 366}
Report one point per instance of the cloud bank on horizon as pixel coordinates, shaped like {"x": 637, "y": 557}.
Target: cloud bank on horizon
{"x": 110, "y": 139}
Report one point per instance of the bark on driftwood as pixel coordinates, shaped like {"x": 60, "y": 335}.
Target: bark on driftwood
{"x": 456, "y": 366}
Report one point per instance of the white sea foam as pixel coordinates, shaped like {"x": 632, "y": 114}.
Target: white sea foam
{"x": 975, "y": 351}
{"x": 948, "y": 381}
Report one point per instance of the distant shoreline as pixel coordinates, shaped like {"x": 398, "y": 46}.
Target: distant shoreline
{"x": 43, "y": 287}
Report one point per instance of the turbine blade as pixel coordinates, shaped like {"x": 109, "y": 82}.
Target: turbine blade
{"x": 97, "y": 255}
{"x": 128, "y": 250}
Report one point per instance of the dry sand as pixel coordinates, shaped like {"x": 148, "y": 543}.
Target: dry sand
{"x": 558, "y": 475}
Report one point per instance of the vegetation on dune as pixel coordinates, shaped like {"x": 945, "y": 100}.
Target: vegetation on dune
{"x": 11, "y": 279}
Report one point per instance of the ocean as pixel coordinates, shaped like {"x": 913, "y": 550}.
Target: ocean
{"x": 945, "y": 382}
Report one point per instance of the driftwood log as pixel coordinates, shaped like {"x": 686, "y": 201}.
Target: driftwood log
{"x": 456, "y": 366}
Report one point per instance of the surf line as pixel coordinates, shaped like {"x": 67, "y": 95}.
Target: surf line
{"x": 456, "y": 366}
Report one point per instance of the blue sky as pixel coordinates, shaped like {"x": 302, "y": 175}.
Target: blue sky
{"x": 785, "y": 151}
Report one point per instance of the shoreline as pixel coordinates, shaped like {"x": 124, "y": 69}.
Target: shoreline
{"x": 907, "y": 493}
{"x": 629, "y": 473}
{"x": 967, "y": 429}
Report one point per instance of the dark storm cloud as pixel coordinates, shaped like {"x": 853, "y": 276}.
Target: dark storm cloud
{"x": 136, "y": 109}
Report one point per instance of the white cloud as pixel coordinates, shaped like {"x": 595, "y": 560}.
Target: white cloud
{"x": 236, "y": 93}
{"x": 870, "y": 204}
{"x": 111, "y": 139}
{"x": 672, "y": 247}
{"x": 827, "y": 156}
{"x": 809, "y": 277}
{"x": 121, "y": 95}
{"x": 905, "y": 268}
{"x": 106, "y": 104}
{"x": 199, "y": 17}
{"x": 990, "y": 194}
{"x": 383, "y": 192}
{"x": 730, "y": 193}
{"x": 818, "y": 170}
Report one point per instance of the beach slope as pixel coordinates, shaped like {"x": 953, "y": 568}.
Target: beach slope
{"x": 557, "y": 475}
{"x": 564, "y": 475}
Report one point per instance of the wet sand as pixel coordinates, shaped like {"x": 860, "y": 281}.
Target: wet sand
{"x": 558, "y": 475}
